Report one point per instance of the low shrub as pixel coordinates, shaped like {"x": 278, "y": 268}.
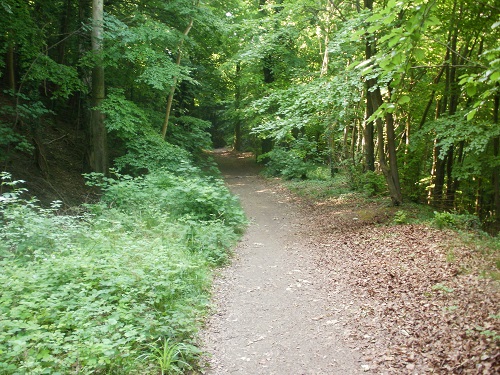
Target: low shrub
{"x": 95, "y": 294}
{"x": 286, "y": 163}
{"x": 456, "y": 221}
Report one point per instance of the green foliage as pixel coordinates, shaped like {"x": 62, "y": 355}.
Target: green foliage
{"x": 400, "y": 217}
{"x": 318, "y": 189}
{"x": 9, "y": 140}
{"x": 456, "y": 221}
{"x": 149, "y": 153}
{"x": 191, "y": 134}
{"x": 188, "y": 196}
{"x": 64, "y": 78}
{"x": 488, "y": 333}
{"x": 123, "y": 116}
{"x": 144, "y": 44}
{"x": 301, "y": 159}
{"x": 483, "y": 86}
{"x": 95, "y": 292}
{"x": 443, "y": 288}
{"x": 286, "y": 163}
{"x": 369, "y": 183}
{"x": 172, "y": 358}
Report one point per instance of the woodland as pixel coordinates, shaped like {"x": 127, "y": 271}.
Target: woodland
{"x": 399, "y": 97}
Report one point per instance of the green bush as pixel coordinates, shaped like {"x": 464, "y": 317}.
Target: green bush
{"x": 286, "y": 163}
{"x": 149, "y": 152}
{"x": 367, "y": 182}
{"x": 94, "y": 294}
{"x": 400, "y": 217}
{"x": 188, "y": 196}
{"x": 456, "y": 221}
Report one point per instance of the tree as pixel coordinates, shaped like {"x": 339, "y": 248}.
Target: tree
{"x": 98, "y": 153}
{"x": 178, "y": 63}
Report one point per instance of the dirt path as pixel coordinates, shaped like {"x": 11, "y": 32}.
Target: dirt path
{"x": 273, "y": 313}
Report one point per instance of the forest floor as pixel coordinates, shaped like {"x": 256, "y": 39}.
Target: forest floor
{"x": 329, "y": 287}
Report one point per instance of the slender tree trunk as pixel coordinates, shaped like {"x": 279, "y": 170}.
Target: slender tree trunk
{"x": 324, "y": 65}
{"x": 374, "y": 101}
{"x": 396, "y": 196}
{"x": 174, "y": 85}
{"x": 448, "y": 104}
{"x": 368, "y": 132}
{"x": 450, "y": 183}
{"x": 346, "y": 143}
{"x": 496, "y": 172}
{"x": 354, "y": 134}
{"x": 64, "y": 30}
{"x": 331, "y": 151}
{"x": 237, "y": 144}
{"x": 11, "y": 71}
{"x": 98, "y": 155}
{"x": 390, "y": 170}
{"x": 438, "y": 174}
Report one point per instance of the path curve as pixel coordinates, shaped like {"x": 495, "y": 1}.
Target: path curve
{"x": 273, "y": 315}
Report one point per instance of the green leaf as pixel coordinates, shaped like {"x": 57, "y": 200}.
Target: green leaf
{"x": 471, "y": 114}
{"x": 404, "y": 99}
{"x": 495, "y": 77}
{"x": 419, "y": 54}
{"x": 471, "y": 90}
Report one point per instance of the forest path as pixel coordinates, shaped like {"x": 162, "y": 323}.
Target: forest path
{"x": 273, "y": 313}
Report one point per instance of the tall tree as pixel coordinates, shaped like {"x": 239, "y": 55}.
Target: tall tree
{"x": 98, "y": 152}
{"x": 374, "y": 104}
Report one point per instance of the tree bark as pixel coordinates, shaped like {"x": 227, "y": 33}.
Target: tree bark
{"x": 11, "y": 71}
{"x": 174, "y": 85}
{"x": 64, "y": 30}
{"x": 374, "y": 101}
{"x": 368, "y": 131}
{"x": 442, "y": 168}
{"x": 396, "y": 195}
{"x": 390, "y": 170}
{"x": 98, "y": 155}
{"x": 237, "y": 142}
{"x": 496, "y": 172}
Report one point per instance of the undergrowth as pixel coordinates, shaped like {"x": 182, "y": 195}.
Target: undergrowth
{"x": 112, "y": 290}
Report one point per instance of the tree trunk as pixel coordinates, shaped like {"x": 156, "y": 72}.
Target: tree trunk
{"x": 354, "y": 134}
{"x": 442, "y": 169}
{"x": 373, "y": 102}
{"x": 368, "y": 132}
{"x": 98, "y": 155}
{"x": 237, "y": 143}
{"x": 396, "y": 196}
{"x": 11, "y": 71}
{"x": 438, "y": 174}
{"x": 390, "y": 170}
{"x": 64, "y": 30}
{"x": 496, "y": 173}
{"x": 172, "y": 88}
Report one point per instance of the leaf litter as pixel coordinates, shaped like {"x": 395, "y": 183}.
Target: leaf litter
{"x": 415, "y": 310}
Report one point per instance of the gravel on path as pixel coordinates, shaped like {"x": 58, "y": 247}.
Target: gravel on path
{"x": 273, "y": 314}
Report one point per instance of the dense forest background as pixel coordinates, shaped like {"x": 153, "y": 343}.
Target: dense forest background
{"x": 394, "y": 98}
{"x": 408, "y": 90}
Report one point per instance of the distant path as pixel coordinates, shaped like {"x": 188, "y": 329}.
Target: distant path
{"x": 273, "y": 315}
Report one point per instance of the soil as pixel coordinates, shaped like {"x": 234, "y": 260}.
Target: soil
{"x": 53, "y": 171}
{"x": 328, "y": 288}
